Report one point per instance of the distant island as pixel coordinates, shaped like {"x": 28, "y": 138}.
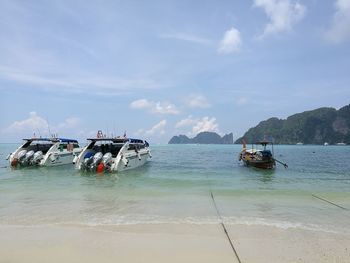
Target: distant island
{"x": 203, "y": 138}
{"x": 310, "y": 127}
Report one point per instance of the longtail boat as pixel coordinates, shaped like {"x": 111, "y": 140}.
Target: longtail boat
{"x": 258, "y": 157}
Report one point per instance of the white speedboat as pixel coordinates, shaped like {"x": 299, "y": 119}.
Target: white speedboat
{"x": 341, "y": 144}
{"x": 45, "y": 152}
{"x": 112, "y": 154}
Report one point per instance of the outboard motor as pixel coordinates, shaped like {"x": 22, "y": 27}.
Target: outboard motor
{"x": 29, "y": 156}
{"x": 96, "y": 160}
{"x": 105, "y": 164}
{"x": 38, "y": 156}
{"x": 21, "y": 155}
{"x": 107, "y": 158}
{"x": 87, "y": 161}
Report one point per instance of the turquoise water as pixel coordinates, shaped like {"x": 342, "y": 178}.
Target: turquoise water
{"x": 174, "y": 187}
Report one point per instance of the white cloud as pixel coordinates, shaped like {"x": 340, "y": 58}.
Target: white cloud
{"x": 185, "y": 122}
{"x": 165, "y": 108}
{"x": 340, "y": 28}
{"x": 188, "y": 38}
{"x": 155, "y": 107}
{"x": 197, "y": 101}
{"x": 231, "y": 42}
{"x": 140, "y": 104}
{"x": 157, "y": 129}
{"x": 33, "y": 124}
{"x": 198, "y": 125}
{"x": 283, "y": 14}
{"x": 38, "y": 125}
{"x": 205, "y": 124}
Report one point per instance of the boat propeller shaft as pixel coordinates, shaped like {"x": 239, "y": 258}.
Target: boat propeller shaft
{"x": 284, "y": 164}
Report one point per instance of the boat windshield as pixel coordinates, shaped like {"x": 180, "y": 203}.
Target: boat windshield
{"x": 105, "y": 147}
{"x": 68, "y": 146}
{"x": 136, "y": 146}
{"x": 35, "y": 146}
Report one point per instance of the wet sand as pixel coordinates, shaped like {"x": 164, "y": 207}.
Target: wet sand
{"x": 169, "y": 243}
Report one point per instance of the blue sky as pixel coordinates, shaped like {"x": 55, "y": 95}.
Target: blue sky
{"x": 161, "y": 68}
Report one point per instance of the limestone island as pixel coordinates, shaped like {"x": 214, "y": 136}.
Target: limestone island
{"x": 203, "y": 138}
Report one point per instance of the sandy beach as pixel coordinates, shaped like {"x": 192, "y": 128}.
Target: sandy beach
{"x": 169, "y": 243}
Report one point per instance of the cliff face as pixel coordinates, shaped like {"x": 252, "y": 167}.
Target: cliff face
{"x": 310, "y": 127}
{"x": 203, "y": 138}
{"x": 181, "y": 139}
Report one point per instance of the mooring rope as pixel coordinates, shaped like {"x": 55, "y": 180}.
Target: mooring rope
{"x": 223, "y": 226}
{"x": 341, "y": 207}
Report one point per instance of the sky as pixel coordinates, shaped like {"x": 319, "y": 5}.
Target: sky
{"x": 160, "y": 68}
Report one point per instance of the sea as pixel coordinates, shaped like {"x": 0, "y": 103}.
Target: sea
{"x": 176, "y": 187}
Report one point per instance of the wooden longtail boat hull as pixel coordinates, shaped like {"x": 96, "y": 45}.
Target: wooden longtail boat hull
{"x": 269, "y": 164}
{"x": 259, "y": 158}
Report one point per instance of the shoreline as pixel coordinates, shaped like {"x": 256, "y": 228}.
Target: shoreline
{"x": 169, "y": 243}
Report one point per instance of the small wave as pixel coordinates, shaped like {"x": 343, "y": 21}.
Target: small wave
{"x": 150, "y": 220}
{"x": 129, "y": 220}
{"x": 210, "y": 220}
{"x": 256, "y": 221}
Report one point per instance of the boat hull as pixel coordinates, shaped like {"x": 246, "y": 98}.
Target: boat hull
{"x": 133, "y": 162}
{"x": 269, "y": 164}
{"x": 62, "y": 158}
{"x": 258, "y": 159}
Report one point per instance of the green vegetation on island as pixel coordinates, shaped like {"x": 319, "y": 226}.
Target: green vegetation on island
{"x": 203, "y": 138}
{"x": 310, "y": 127}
